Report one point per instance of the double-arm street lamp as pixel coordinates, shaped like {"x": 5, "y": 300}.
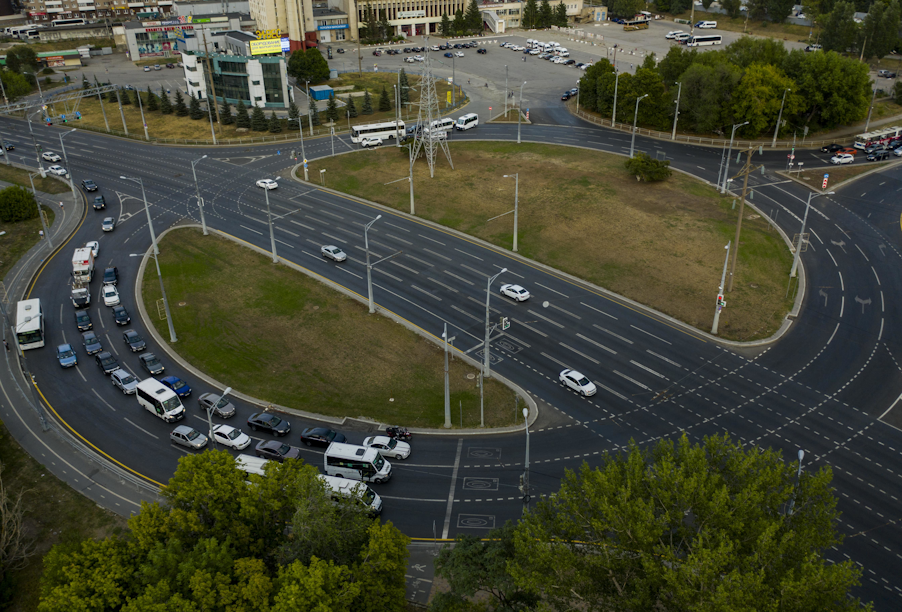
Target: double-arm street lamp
{"x": 779, "y": 118}
{"x": 272, "y": 234}
{"x": 369, "y": 268}
{"x": 210, "y": 408}
{"x": 795, "y": 259}
{"x": 200, "y": 202}
{"x": 730, "y": 152}
{"x": 486, "y": 369}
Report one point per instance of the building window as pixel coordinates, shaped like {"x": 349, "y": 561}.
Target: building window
{"x": 255, "y": 82}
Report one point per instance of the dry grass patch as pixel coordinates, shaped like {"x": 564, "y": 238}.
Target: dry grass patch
{"x": 661, "y": 244}
{"x": 838, "y": 174}
{"x": 287, "y": 339}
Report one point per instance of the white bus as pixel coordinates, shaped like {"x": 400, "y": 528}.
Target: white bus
{"x": 160, "y": 400}
{"x": 390, "y": 129}
{"x": 29, "y": 324}
{"x": 356, "y": 462}
{"x": 56, "y": 23}
{"x": 704, "y": 41}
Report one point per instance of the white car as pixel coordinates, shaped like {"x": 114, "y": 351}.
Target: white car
{"x": 267, "y": 184}
{"x": 110, "y": 295}
{"x": 682, "y": 37}
{"x": 57, "y": 170}
{"x": 898, "y": 152}
{"x": 231, "y": 437}
{"x": 388, "y": 447}
{"x": 459, "y": 53}
{"x": 419, "y": 58}
{"x": 673, "y": 33}
{"x": 94, "y": 246}
{"x": 534, "y": 52}
{"x": 579, "y": 383}
{"x": 51, "y": 157}
{"x": 370, "y": 141}
{"x": 515, "y": 292}
{"x": 842, "y": 158}
{"x": 409, "y": 60}
{"x": 124, "y": 380}
{"x": 333, "y": 252}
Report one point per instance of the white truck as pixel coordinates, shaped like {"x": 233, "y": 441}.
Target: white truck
{"x": 82, "y": 273}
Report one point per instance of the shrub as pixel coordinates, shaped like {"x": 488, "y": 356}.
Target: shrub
{"x": 17, "y": 204}
{"x": 644, "y": 168}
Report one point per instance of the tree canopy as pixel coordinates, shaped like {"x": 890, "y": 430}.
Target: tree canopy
{"x": 309, "y": 65}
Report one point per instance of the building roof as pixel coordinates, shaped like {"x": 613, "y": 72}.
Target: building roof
{"x": 242, "y": 36}
{"x": 328, "y": 12}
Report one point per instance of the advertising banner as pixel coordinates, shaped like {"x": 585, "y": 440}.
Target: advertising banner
{"x": 411, "y": 14}
{"x": 339, "y": 26}
{"x": 286, "y": 44}
{"x": 262, "y": 47}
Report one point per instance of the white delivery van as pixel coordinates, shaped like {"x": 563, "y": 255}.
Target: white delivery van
{"x": 356, "y": 462}
{"x": 354, "y": 490}
{"x": 160, "y": 400}
{"x": 250, "y": 464}
{"x": 443, "y": 125}
{"x": 706, "y": 25}
{"x": 470, "y": 120}
{"x": 554, "y": 45}
{"x": 530, "y": 43}
{"x": 563, "y": 52}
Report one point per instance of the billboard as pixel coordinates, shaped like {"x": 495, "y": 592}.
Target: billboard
{"x": 262, "y": 47}
{"x": 286, "y": 45}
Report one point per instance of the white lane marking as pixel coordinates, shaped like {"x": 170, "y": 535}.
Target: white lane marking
{"x": 466, "y": 314}
{"x": 395, "y": 262}
{"x": 302, "y": 225}
{"x": 599, "y": 311}
{"x": 418, "y": 260}
{"x": 607, "y": 331}
{"x": 875, "y": 275}
{"x": 833, "y": 258}
{"x": 441, "y": 284}
{"x": 535, "y": 314}
{"x": 552, "y": 290}
{"x": 609, "y": 390}
{"x": 567, "y": 312}
{"x": 460, "y": 278}
{"x": 468, "y": 254}
{"x": 251, "y": 230}
{"x": 282, "y": 229}
{"x": 413, "y": 499}
{"x": 663, "y": 358}
{"x": 336, "y": 238}
{"x": 632, "y": 380}
{"x": 882, "y": 305}
{"x": 438, "y": 255}
{"x": 398, "y": 227}
{"x": 581, "y": 354}
{"x": 141, "y": 428}
{"x": 460, "y": 445}
{"x": 529, "y": 327}
{"x": 598, "y": 344}
{"x": 816, "y": 236}
{"x": 473, "y": 270}
{"x": 843, "y": 231}
{"x": 398, "y": 238}
{"x": 560, "y": 363}
{"x": 435, "y": 297}
{"x": 647, "y": 369}
{"x": 509, "y": 271}
{"x": 880, "y": 335}
{"x": 650, "y": 334}
{"x": 103, "y": 400}
{"x": 836, "y": 329}
{"x": 842, "y": 306}
{"x": 431, "y": 239}
{"x": 842, "y": 285}
{"x": 862, "y": 253}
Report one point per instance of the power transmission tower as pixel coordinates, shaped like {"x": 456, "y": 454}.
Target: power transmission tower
{"x": 746, "y": 170}
{"x": 426, "y": 137}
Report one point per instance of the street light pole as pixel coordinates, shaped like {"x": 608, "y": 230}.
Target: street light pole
{"x": 156, "y": 251}
{"x": 616, "y": 84}
{"x": 723, "y": 280}
{"x": 38, "y": 204}
{"x": 447, "y": 382}
{"x": 272, "y": 234}
{"x": 676, "y": 114}
{"x": 200, "y": 202}
{"x": 210, "y": 415}
{"x": 66, "y": 161}
{"x": 486, "y": 369}
{"x": 308, "y": 110}
{"x": 520, "y": 112}
{"x": 34, "y": 141}
{"x": 795, "y": 259}
{"x": 369, "y": 268}
{"x": 635, "y": 118}
{"x": 792, "y": 502}
{"x": 516, "y": 202}
{"x": 144, "y": 121}
{"x": 779, "y": 119}
{"x": 726, "y": 173}
{"x": 505, "y": 93}
{"x": 525, "y": 490}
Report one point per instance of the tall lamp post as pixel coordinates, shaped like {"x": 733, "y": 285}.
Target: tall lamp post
{"x": 516, "y": 202}
{"x": 520, "y": 112}
{"x": 200, "y": 202}
{"x": 795, "y": 259}
{"x": 447, "y": 384}
{"x": 272, "y": 234}
{"x": 369, "y": 268}
{"x": 676, "y": 114}
{"x": 308, "y": 110}
{"x": 156, "y": 252}
{"x": 792, "y": 502}
{"x": 34, "y": 141}
{"x": 726, "y": 173}
{"x": 66, "y": 161}
{"x": 779, "y": 119}
{"x": 38, "y": 204}
{"x": 616, "y": 83}
{"x": 635, "y": 118}
{"x": 723, "y": 280}
{"x": 210, "y": 414}
{"x": 486, "y": 365}
{"x": 525, "y": 487}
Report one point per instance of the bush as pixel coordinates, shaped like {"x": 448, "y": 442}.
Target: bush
{"x": 17, "y": 204}
{"x": 644, "y": 168}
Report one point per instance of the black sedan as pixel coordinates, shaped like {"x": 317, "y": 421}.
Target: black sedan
{"x": 89, "y": 185}
{"x": 320, "y": 436}
{"x": 481, "y": 51}
{"x": 265, "y": 421}
{"x": 831, "y": 148}
{"x": 134, "y": 340}
{"x": 111, "y": 276}
{"x": 276, "y": 451}
{"x": 151, "y": 363}
{"x": 10, "y": 146}
{"x": 106, "y": 362}
{"x": 121, "y": 315}
{"x": 83, "y": 320}
{"x": 566, "y": 96}
{"x": 92, "y": 344}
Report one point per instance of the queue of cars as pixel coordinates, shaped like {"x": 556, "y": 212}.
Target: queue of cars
{"x": 875, "y": 152}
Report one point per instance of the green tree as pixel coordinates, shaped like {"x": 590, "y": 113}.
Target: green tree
{"x": 258, "y": 120}
{"x": 627, "y": 8}
{"x": 588, "y": 84}
{"x": 380, "y": 572}
{"x": 897, "y": 92}
{"x": 194, "y": 109}
{"x": 225, "y": 114}
{"x": 836, "y": 89}
{"x": 715, "y": 525}
{"x": 657, "y": 109}
{"x": 748, "y": 50}
{"x": 21, "y": 58}
{"x": 84, "y": 82}
{"x": 530, "y": 14}
{"x": 332, "y": 109}
{"x": 757, "y": 9}
{"x": 840, "y": 32}
{"x": 113, "y": 96}
{"x": 474, "y": 566}
{"x": 367, "y": 103}
{"x": 242, "y": 118}
{"x": 181, "y": 109}
{"x": 404, "y": 87}
{"x": 313, "y": 111}
{"x": 880, "y": 29}
{"x": 153, "y": 103}
{"x": 17, "y": 204}
{"x": 707, "y": 91}
{"x": 779, "y": 10}
{"x": 319, "y": 586}
{"x": 644, "y": 168}
{"x": 759, "y": 95}
{"x": 309, "y": 65}
{"x": 473, "y": 17}
{"x": 445, "y": 27}
{"x": 545, "y": 14}
{"x": 294, "y": 115}
{"x": 15, "y": 85}
{"x": 384, "y": 100}
{"x": 560, "y": 15}
{"x": 385, "y": 28}
{"x": 165, "y": 102}
{"x": 351, "y": 108}
{"x": 125, "y": 97}
{"x": 733, "y": 8}
{"x": 275, "y": 124}
{"x": 460, "y": 24}
{"x": 88, "y": 575}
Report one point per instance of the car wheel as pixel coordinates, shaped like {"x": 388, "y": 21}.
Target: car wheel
{"x": 583, "y": 393}
{"x": 307, "y": 442}
{"x": 253, "y": 427}
{"x": 399, "y": 457}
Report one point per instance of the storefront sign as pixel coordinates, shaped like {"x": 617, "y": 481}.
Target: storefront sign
{"x": 410, "y": 14}
{"x": 152, "y": 24}
{"x": 262, "y": 47}
{"x": 286, "y": 44}
{"x": 169, "y": 28}
{"x": 340, "y": 26}
{"x": 268, "y": 34}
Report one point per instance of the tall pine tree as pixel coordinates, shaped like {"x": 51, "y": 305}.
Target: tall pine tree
{"x": 225, "y": 114}
{"x": 405, "y": 87}
{"x": 332, "y": 109}
{"x": 384, "y": 100}
{"x": 194, "y": 109}
{"x": 258, "y": 120}
{"x": 560, "y": 15}
{"x": 473, "y": 18}
{"x": 351, "y": 108}
{"x": 314, "y": 112}
{"x": 445, "y": 27}
{"x": 181, "y": 109}
{"x": 152, "y": 102}
{"x": 294, "y": 114}
{"x": 367, "y": 103}
{"x": 545, "y": 14}
{"x": 165, "y": 102}
{"x": 275, "y": 124}
{"x": 530, "y": 14}
{"x": 242, "y": 119}
{"x": 126, "y": 97}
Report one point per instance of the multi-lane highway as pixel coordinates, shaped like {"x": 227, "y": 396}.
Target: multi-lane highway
{"x": 827, "y": 387}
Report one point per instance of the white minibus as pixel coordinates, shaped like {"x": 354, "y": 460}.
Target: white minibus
{"x": 470, "y": 120}
{"x": 356, "y": 462}
{"x": 160, "y": 400}
{"x": 443, "y": 125}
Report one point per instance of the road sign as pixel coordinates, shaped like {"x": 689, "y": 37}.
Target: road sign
{"x": 305, "y": 161}
{"x": 824, "y": 185}
{"x": 791, "y": 156}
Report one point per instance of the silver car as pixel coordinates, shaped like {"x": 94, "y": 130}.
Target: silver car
{"x": 188, "y": 436}
{"x": 125, "y": 381}
{"x": 333, "y": 252}
{"x": 220, "y": 406}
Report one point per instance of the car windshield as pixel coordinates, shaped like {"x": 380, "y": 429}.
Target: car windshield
{"x": 152, "y": 361}
{"x": 583, "y": 381}
{"x": 171, "y": 404}
{"x": 222, "y": 403}
{"x": 127, "y": 380}
{"x": 177, "y": 384}
{"x": 392, "y": 443}
{"x": 109, "y": 360}
{"x": 368, "y": 496}
{"x": 330, "y": 436}
{"x": 233, "y": 434}
{"x": 283, "y": 449}
{"x": 274, "y": 421}
{"x": 67, "y": 353}
{"x": 193, "y": 435}
{"x": 379, "y": 463}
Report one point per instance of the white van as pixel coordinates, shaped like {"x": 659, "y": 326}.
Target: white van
{"x": 706, "y": 25}
{"x": 356, "y": 462}
{"x": 530, "y": 43}
{"x": 443, "y": 125}
{"x": 467, "y": 121}
{"x": 250, "y": 464}
{"x": 160, "y": 400}
{"x": 354, "y": 490}
{"x": 562, "y": 52}
{"x": 554, "y": 45}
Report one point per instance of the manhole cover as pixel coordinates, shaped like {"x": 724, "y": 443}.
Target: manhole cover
{"x": 183, "y": 303}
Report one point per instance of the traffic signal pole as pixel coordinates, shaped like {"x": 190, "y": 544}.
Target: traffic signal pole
{"x": 721, "y": 303}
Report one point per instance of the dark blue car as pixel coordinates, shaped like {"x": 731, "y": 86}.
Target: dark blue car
{"x": 178, "y": 385}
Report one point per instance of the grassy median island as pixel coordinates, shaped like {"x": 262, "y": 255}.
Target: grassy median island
{"x": 661, "y": 244}
{"x": 278, "y": 335}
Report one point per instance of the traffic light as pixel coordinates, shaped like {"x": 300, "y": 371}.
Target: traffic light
{"x": 505, "y": 323}
{"x": 63, "y": 117}
{"x": 721, "y": 302}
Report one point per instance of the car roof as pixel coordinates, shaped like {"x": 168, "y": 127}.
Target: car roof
{"x": 64, "y": 347}
{"x": 183, "y": 429}
{"x": 378, "y": 440}
{"x": 316, "y": 430}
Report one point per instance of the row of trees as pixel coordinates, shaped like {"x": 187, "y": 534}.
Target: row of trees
{"x": 543, "y": 16}
{"x": 744, "y": 82}
{"x": 674, "y": 526}
{"x": 876, "y": 36}
{"x": 464, "y": 23}
{"x": 220, "y": 544}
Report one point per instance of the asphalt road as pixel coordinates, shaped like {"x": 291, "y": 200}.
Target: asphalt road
{"x": 827, "y": 387}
